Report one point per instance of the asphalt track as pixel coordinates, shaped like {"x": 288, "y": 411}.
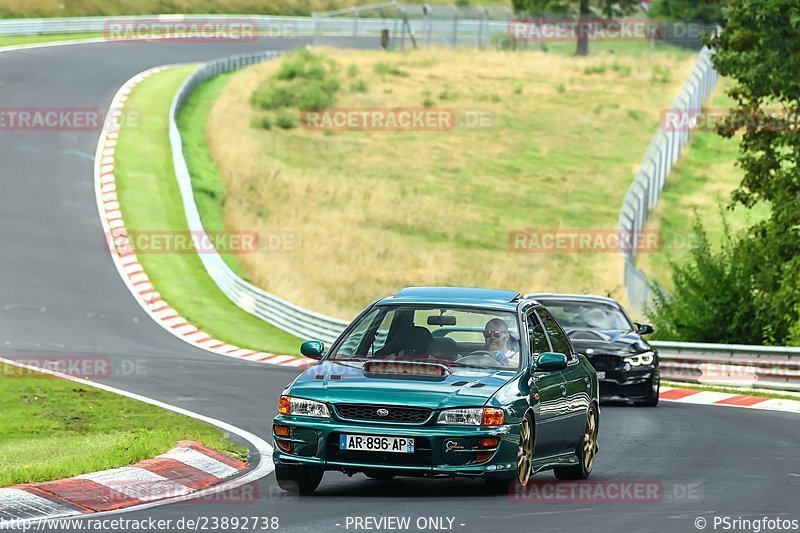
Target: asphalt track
{"x": 60, "y": 294}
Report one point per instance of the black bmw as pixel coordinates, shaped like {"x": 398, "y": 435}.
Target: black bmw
{"x": 626, "y": 364}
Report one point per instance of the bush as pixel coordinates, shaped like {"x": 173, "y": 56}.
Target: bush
{"x": 285, "y": 120}
{"x": 359, "y": 86}
{"x": 384, "y": 69}
{"x": 352, "y": 70}
{"x": 711, "y": 300}
{"x": 661, "y": 74}
{"x": 304, "y": 80}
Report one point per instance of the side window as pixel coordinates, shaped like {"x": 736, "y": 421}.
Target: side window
{"x": 355, "y": 339}
{"x": 383, "y": 331}
{"x": 557, "y": 336}
{"x": 537, "y": 338}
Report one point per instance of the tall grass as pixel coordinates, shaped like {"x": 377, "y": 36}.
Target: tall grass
{"x": 376, "y": 211}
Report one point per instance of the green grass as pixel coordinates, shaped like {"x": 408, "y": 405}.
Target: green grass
{"x": 208, "y": 191}
{"x": 701, "y": 183}
{"x": 11, "y": 40}
{"x": 733, "y": 390}
{"x": 52, "y": 428}
{"x": 437, "y": 207}
{"x": 151, "y": 200}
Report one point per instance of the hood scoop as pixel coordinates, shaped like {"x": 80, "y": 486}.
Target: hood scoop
{"x": 410, "y": 369}
{"x": 459, "y": 383}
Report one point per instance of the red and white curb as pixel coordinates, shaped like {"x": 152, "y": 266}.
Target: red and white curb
{"x": 127, "y": 263}
{"x": 179, "y": 472}
{"x": 727, "y": 399}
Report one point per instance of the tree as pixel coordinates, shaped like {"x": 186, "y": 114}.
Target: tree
{"x": 758, "y": 49}
{"x": 585, "y": 10}
{"x": 706, "y": 11}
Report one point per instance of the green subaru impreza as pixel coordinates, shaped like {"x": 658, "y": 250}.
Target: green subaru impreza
{"x": 441, "y": 382}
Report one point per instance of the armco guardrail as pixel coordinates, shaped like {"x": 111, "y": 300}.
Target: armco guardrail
{"x": 268, "y": 307}
{"x": 429, "y": 31}
{"x": 418, "y": 24}
{"x": 659, "y": 159}
{"x": 732, "y": 365}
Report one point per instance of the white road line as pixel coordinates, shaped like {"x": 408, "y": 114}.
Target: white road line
{"x": 264, "y": 467}
{"x": 200, "y": 461}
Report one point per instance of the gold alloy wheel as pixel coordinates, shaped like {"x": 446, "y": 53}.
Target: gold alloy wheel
{"x": 525, "y": 452}
{"x": 590, "y": 440}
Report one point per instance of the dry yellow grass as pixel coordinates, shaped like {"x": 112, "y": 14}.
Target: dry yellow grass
{"x": 377, "y": 211}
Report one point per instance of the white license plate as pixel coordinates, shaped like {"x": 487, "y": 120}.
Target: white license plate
{"x": 375, "y": 443}
{"x": 601, "y": 375}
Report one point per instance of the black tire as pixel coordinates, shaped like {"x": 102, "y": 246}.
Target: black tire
{"x": 524, "y": 461}
{"x": 586, "y": 450}
{"x": 297, "y": 479}
{"x": 380, "y": 475}
{"x": 651, "y": 400}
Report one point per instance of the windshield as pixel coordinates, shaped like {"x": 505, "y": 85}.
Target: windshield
{"x": 447, "y": 335}
{"x": 588, "y": 315}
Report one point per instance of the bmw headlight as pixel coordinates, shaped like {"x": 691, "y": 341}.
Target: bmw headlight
{"x": 481, "y": 416}
{"x": 300, "y": 406}
{"x": 641, "y": 359}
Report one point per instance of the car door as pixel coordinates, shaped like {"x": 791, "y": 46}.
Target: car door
{"x": 550, "y": 429}
{"x": 578, "y": 384}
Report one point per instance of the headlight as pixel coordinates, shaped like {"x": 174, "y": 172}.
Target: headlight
{"x": 644, "y": 358}
{"x": 301, "y": 406}
{"x": 486, "y": 416}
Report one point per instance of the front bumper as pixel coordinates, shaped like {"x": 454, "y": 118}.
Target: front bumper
{"x": 315, "y": 442}
{"x": 626, "y": 385}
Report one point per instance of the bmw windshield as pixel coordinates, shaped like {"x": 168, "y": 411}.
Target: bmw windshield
{"x": 584, "y": 315}
{"x": 451, "y": 336}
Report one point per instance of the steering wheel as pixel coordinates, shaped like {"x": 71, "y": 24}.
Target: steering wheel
{"x": 480, "y": 357}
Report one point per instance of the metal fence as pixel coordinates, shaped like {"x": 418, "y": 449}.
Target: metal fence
{"x": 276, "y": 311}
{"x": 731, "y": 365}
{"x": 661, "y": 155}
{"x": 408, "y": 25}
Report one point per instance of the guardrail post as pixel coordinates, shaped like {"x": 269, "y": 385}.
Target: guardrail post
{"x": 455, "y": 26}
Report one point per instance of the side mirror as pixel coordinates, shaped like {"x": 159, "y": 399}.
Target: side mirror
{"x": 644, "y": 329}
{"x": 550, "y": 362}
{"x": 313, "y": 349}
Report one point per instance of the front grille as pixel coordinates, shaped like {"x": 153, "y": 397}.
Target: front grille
{"x": 422, "y": 455}
{"x": 367, "y": 412}
{"x": 637, "y": 390}
{"x": 603, "y": 361}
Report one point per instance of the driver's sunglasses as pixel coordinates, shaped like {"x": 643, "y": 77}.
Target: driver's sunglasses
{"x": 496, "y": 333}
